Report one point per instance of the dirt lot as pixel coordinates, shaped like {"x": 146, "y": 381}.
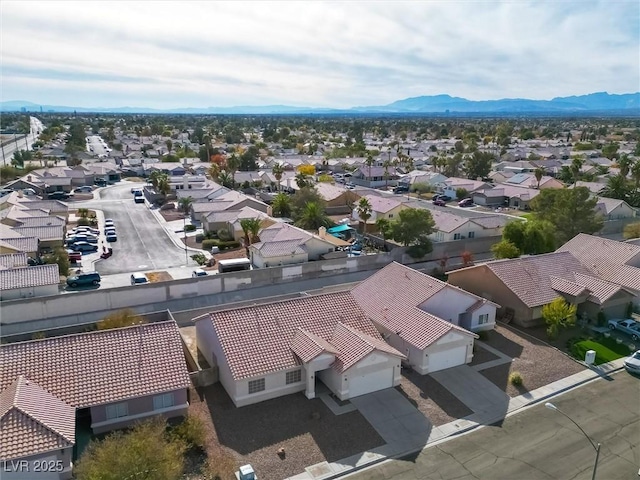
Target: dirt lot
{"x": 306, "y": 429}
{"x": 432, "y": 399}
{"x": 538, "y": 363}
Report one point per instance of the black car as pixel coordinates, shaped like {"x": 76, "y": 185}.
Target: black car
{"x": 401, "y": 189}
{"x": 58, "y": 195}
{"x": 444, "y": 198}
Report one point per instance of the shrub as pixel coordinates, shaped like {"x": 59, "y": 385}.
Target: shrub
{"x": 224, "y": 234}
{"x": 190, "y": 228}
{"x": 419, "y": 251}
{"x": 207, "y": 244}
{"x": 119, "y": 319}
{"x": 222, "y": 245}
{"x": 191, "y": 431}
{"x": 84, "y": 222}
{"x": 199, "y": 258}
{"x": 515, "y": 378}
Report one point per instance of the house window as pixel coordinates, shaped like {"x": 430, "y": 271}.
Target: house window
{"x": 294, "y": 377}
{"x": 163, "y": 401}
{"x": 484, "y": 318}
{"x": 256, "y": 386}
{"x": 472, "y": 234}
{"x": 117, "y": 410}
{"x": 456, "y": 236}
{"x": 391, "y": 215}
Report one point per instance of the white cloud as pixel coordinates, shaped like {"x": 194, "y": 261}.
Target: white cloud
{"x": 336, "y": 54}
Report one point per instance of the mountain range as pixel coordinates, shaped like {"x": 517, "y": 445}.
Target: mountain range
{"x": 601, "y": 102}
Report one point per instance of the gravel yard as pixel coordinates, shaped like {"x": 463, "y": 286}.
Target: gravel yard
{"x": 538, "y": 363}
{"x": 306, "y": 429}
{"x": 433, "y": 400}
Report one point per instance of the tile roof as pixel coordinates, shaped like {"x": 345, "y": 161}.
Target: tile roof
{"x": 23, "y": 244}
{"x": 41, "y": 221}
{"x": 382, "y": 204}
{"x": 50, "y": 232}
{"x": 48, "y": 205}
{"x": 258, "y": 339}
{"x": 101, "y": 367}
{"x": 563, "y": 285}
{"x": 33, "y": 421}
{"x": 448, "y": 222}
{"x": 529, "y": 277}
{"x": 308, "y": 346}
{"x": 283, "y": 231}
{"x": 26, "y": 277}
{"x": 600, "y": 290}
{"x": 491, "y": 221}
{"x": 279, "y": 248}
{"x": 392, "y": 297}
{"x": 354, "y": 345}
{"x": 10, "y": 260}
{"x": 616, "y": 262}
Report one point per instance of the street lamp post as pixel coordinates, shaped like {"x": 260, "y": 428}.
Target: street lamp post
{"x": 551, "y": 406}
{"x": 186, "y": 249}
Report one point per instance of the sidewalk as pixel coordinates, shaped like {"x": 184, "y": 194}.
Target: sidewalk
{"x": 325, "y": 470}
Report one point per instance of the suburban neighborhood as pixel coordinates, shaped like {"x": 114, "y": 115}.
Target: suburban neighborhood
{"x": 306, "y": 298}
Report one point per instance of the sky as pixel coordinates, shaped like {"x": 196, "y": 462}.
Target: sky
{"x": 315, "y": 54}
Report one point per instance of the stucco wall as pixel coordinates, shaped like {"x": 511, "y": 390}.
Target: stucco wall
{"x": 29, "y": 292}
{"x": 25, "y": 468}
{"x": 275, "y": 386}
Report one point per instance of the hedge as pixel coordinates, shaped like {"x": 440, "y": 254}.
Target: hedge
{"x": 189, "y": 228}
{"x": 207, "y": 244}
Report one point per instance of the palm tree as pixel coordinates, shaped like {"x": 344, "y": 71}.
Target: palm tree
{"x": 539, "y": 173}
{"x": 281, "y": 205}
{"x": 250, "y": 228}
{"x": 225, "y": 179}
{"x": 214, "y": 171}
{"x": 369, "y": 163}
{"x": 616, "y": 188}
{"x": 575, "y": 167}
{"x": 386, "y": 165}
{"x": 313, "y": 217}
{"x": 624, "y": 163}
{"x": 364, "y": 212}
{"x": 83, "y": 212}
{"x": 302, "y": 181}
{"x": 233, "y": 164}
{"x": 206, "y": 138}
{"x": 184, "y": 204}
{"x": 277, "y": 171}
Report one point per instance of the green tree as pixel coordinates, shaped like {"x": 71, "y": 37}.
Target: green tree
{"x": 478, "y": 165}
{"x": 635, "y": 172}
{"x": 143, "y": 452}
{"x": 225, "y": 179}
{"x": 558, "y": 314}
{"x": 302, "y": 180}
{"x": 539, "y": 173}
{"x": 632, "y": 230}
{"x": 278, "y": 171}
{"x": 61, "y": 257}
{"x": 281, "y": 205}
{"x": 169, "y": 145}
{"x": 617, "y": 187}
{"x": 184, "y": 205}
{"x": 312, "y": 217}
{"x": 119, "y": 319}
{"x": 624, "y": 164}
{"x": 369, "y": 163}
{"x": 610, "y": 150}
{"x": 83, "y": 212}
{"x": 164, "y": 187}
{"x": 461, "y": 193}
{"x": 233, "y": 164}
{"x": 364, "y": 212}
{"x": 412, "y": 227}
{"x": 250, "y": 228}
{"x": 531, "y": 237}
{"x": 383, "y": 226}
{"x": 575, "y": 168}
{"x": 570, "y": 210}
{"x": 505, "y": 249}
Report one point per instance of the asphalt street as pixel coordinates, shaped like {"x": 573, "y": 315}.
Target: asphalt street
{"x": 539, "y": 443}
{"x": 142, "y": 244}
{"x": 21, "y": 142}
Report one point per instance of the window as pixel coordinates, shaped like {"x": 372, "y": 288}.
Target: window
{"x": 484, "y": 318}
{"x": 472, "y": 234}
{"x": 294, "y": 377}
{"x": 391, "y": 215}
{"x": 456, "y": 236}
{"x": 117, "y": 410}
{"x": 163, "y": 401}
{"x": 256, "y": 386}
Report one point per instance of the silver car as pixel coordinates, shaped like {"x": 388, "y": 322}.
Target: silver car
{"x": 632, "y": 364}
{"x": 626, "y": 325}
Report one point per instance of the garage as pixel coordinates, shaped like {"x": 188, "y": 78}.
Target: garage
{"x": 370, "y": 382}
{"x": 447, "y": 358}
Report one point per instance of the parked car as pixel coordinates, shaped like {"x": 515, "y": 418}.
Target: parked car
{"x": 439, "y": 202}
{"x": 58, "y": 196}
{"x": 444, "y": 198}
{"x": 88, "y": 278}
{"x": 626, "y": 325}
{"x": 84, "y": 189}
{"x": 632, "y": 364}
{"x": 111, "y": 236}
{"x": 138, "y": 198}
{"x": 401, "y": 189}
{"x": 74, "y": 257}
{"x": 198, "y": 272}
{"x": 84, "y": 247}
{"x": 139, "y": 279}
{"x": 109, "y": 231}
{"x": 109, "y": 223}
{"x": 465, "y": 202}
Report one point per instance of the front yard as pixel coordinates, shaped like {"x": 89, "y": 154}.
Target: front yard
{"x": 306, "y": 429}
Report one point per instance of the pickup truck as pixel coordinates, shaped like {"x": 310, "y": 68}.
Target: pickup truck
{"x": 626, "y": 325}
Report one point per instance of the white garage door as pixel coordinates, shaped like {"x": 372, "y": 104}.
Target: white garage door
{"x": 371, "y": 382}
{"x": 447, "y": 359}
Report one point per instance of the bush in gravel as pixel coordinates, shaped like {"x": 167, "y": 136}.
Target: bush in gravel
{"x": 189, "y": 228}
{"x": 516, "y": 379}
{"x": 199, "y": 258}
{"x": 191, "y": 431}
{"x": 207, "y": 244}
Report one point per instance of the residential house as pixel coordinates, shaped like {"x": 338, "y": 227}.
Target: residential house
{"x": 337, "y": 198}
{"x": 375, "y": 177}
{"x": 230, "y": 200}
{"x": 614, "y": 209}
{"x": 284, "y": 244}
{"x": 229, "y": 220}
{"x": 275, "y": 349}
{"x": 506, "y": 196}
{"x": 37, "y": 429}
{"x": 429, "y": 321}
{"x": 451, "y": 186}
{"x": 113, "y": 377}
{"x": 594, "y": 187}
{"x": 450, "y": 227}
{"x": 421, "y": 177}
{"x": 27, "y": 282}
{"x": 525, "y": 285}
{"x": 381, "y": 207}
{"x": 529, "y": 180}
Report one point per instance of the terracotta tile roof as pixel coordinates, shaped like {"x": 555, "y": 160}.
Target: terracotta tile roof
{"x": 51, "y": 232}
{"x": 600, "y": 290}
{"x": 257, "y": 340}
{"x": 308, "y": 346}
{"x": 47, "y": 205}
{"x": 26, "y": 277}
{"x": 392, "y": 298}
{"x": 382, "y": 204}
{"x": 10, "y": 260}
{"x": 33, "y": 421}
{"x": 610, "y": 260}
{"x": 490, "y": 221}
{"x": 22, "y": 244}
{"x": 530, "y": 277}
{"x": 101, "y": 367}
{"x": 279, "y": 248}
{"x": 41, "y": 221}
{"x": 354, "y": 346}
{"x": 283, "y": 231}
{"x": 566, "y": 286}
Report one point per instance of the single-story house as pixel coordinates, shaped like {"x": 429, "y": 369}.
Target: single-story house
{"x": 230, "y": 200}
{"x": 614, "y": 209}
{"x": 114, "y": 377}
{"x": 284, "y": 244}
{"x": 418, "y": 177}
{"x": 37, "y": 428}
{"x": 529, "y": 180}
{"x": 337, "y": 199}
{"x": 452, "y": 184}
{"x": 381, "y": 207}
{"x": 229, "y": 220}
{"x": 450, "y": 227}
{"x": 375, "y": 177}
{"x": 525, "y": 285}
{"x": 275, "y": 349}
{"x": 27, "y": 282}
{"x": 429, "y": 321}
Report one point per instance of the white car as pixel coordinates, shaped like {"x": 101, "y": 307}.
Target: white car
{"x": 632, "y": 364}
{"x": 198, "y": 272}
